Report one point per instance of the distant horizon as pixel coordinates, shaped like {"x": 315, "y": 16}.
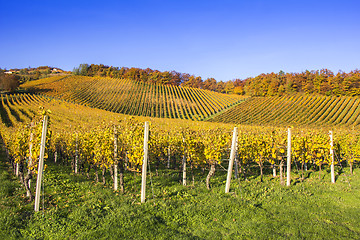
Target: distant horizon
{"x": 224, "y": 40}
{"x": 310, "y": 70}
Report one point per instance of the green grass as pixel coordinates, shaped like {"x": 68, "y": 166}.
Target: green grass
{"x": 77, "y": 208}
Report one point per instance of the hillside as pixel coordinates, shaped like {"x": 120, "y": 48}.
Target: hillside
{"x": 297, "y": 109}
{"x": 134, "y": 98}
{"x": 77, "y": 206}
{"x": 86, "y": 197}
{"x": 17, "y": 109}
{"x": 166, "y": 101}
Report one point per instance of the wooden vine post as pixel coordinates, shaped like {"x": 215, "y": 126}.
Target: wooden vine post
{"x": 145, "y": 159}
{"x": 332, "y": 157}
{"x": 41, "y": 163}
{"x": 184, "y": 170}
{"x": 231, "y": 161}
{"x": 169, "y": 157}
{"x": 288, "y": 169}
{"x": 115, "y": 160}
{"x": 76, "y": 154}
{"x": 184, "y": 166}
{"x": 17, "y": 169}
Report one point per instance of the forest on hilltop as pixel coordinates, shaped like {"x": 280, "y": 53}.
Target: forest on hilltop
{"x": 322, "y": 81}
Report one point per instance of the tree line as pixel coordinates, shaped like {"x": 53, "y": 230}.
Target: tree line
{"x": 322, "y": 81}
{"x": 157, "y": 77}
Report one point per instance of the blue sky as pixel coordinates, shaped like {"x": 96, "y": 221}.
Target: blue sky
{"x": 222, "y": 39}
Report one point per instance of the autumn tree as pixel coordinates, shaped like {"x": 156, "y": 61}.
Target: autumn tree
{"x": 81, "y": 70}
{"x": 9, "y": 82}
{"x": 209, "y": 84}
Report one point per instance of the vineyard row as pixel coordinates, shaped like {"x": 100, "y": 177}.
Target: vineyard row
{"x": 134, "y": 98}
{"x": 120, "y": 146}
{"x": 298, "y": 109}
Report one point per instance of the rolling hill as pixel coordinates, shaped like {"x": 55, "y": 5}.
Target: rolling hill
{"x": 134, "y": 98}
{"x": 297, "y": 109}
{"x": 163, "y": 101}
{"x": 19, "y": 109}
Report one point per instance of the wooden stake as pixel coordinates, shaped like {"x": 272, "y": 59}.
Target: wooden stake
{"x": 169, "y": 158}
{"x": 144, "y": 166}
{"x": 41, "y": 163}
{"x": 332, "y": 157}
{"x": 231, "y": 161}
{"x": 184, "y": 166}
{"x": 17, "y": 169}
{"x": 76, "y": 154}
{"x": 274, "y": 170}
{"x": 288, "y": 169}
{"x": 115, "y": 160}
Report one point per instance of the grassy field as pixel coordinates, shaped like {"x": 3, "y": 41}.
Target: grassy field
{"x": 77, "y": 208}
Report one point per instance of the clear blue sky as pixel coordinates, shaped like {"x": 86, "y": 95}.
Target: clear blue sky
{"x": 221, "y": 39}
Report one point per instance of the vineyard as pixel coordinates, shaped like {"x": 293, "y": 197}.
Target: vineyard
{"x": 298, "y": 109}
{"x": 162, "y": 101}
{"x": 135, "y": 98}
{"x": 21, "y": 108}
{"x": 94, "y": 160}
{"x": 86, "y": 135}
{"x": 204, "y": 144}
